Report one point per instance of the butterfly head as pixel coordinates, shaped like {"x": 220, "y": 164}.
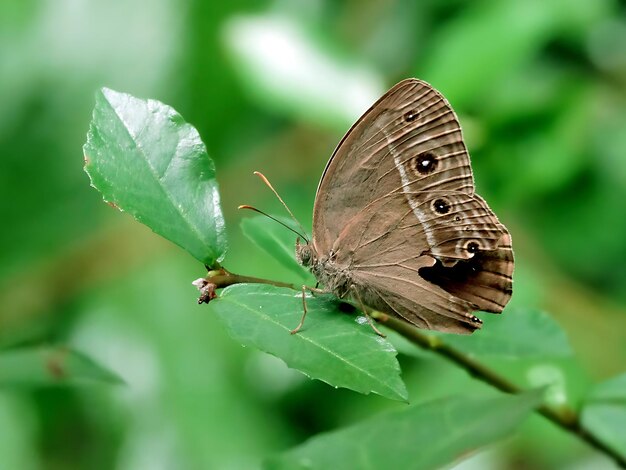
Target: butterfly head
{"x": 305, "y": 254}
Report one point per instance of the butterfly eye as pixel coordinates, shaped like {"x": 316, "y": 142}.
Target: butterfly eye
{"x": 411, "y": 116}
{"x": 441, "y": 206}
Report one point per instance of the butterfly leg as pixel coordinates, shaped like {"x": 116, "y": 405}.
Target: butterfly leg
{"x": 297, "y": 328}
{"x": 364, "y": 310}
{"x": 313, "y": 290}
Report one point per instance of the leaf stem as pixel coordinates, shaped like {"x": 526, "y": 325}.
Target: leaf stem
{"x": 220, "y": 277}
{"x": 228, "y": 279}
{"x": 563, "y": 416}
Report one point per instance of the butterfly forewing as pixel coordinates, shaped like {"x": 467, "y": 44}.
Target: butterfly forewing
{"x": 396, "y": 207}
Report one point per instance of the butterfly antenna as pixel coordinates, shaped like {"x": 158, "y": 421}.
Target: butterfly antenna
{"x": 269, "y": 185}
{"x": 273, "y": 218}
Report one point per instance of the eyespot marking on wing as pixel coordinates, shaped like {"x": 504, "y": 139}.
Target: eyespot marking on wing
{"x": 472, "y": 247}
{"x": 411, "y": 115}
{"x": 423, "y": 164}
{"x": 441, "y": 206}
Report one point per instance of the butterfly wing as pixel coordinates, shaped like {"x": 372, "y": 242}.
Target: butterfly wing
{"x": 396, "y": 206}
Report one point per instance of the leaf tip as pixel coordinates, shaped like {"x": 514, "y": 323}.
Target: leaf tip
{"x": 105, "y": 91}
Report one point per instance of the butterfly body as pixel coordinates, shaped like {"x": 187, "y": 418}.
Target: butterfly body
{"x": 335, "y": 278}
{"x": 396, "y": 223}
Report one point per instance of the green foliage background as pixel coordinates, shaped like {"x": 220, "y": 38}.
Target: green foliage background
{"x": 540, "y": 87}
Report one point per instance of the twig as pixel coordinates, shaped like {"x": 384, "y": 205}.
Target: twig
{"x": 216, "y": 279}
{"x": 563, "y": 416}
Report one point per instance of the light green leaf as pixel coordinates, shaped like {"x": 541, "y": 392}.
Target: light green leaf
{"x": 313, "y": 88}
{"x": 50, "y": 366}
{"x": 604, "y": 413}
{"x": 146, "y": 160}
{"x": 427, "y": 435}
{"x": 275, "y": 240}
{"x": 339, "y": 349}
{"x": 516, "y": 333}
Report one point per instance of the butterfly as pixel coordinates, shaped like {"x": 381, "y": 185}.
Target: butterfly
{"x": 397, "y": 225}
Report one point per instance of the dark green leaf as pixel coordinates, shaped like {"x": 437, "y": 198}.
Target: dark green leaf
{"x": 340, "y": 349}
{"x": 146, "y": 160}
{"x": 276, "y": 240}
{"x": 517, "y": 333}
{"x": 604, "y": 413}
{"x": 466, "y": 42}
{"x": 50, "y": 366}
{"x": 427, "y": 435}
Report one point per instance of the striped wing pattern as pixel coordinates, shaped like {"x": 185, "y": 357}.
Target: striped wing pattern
{"x": 397, "y": 208}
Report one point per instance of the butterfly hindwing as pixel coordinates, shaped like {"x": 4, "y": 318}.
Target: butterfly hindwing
{"x": 396, "y": 207}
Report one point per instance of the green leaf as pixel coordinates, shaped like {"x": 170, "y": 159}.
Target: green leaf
{"x": 604, "y": 413}
{"x": 339, "y": 349}
{"x": 466, "y": 42}
{"x": 517, "y": 333}
{"x": 275, "y": 240}
{"x": 146, "y": 160}
{"x": 427, "y": 435}
{"x": 50, "y": 366}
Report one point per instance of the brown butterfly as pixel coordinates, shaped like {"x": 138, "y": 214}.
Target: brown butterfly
{"x": 397, "y": 226}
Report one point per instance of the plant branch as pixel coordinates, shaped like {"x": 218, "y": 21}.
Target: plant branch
{"x": 563, "y": 416}
{"x": 219, "y": 278}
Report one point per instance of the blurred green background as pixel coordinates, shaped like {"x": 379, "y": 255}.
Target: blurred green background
{"x": 540, "y": 89}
